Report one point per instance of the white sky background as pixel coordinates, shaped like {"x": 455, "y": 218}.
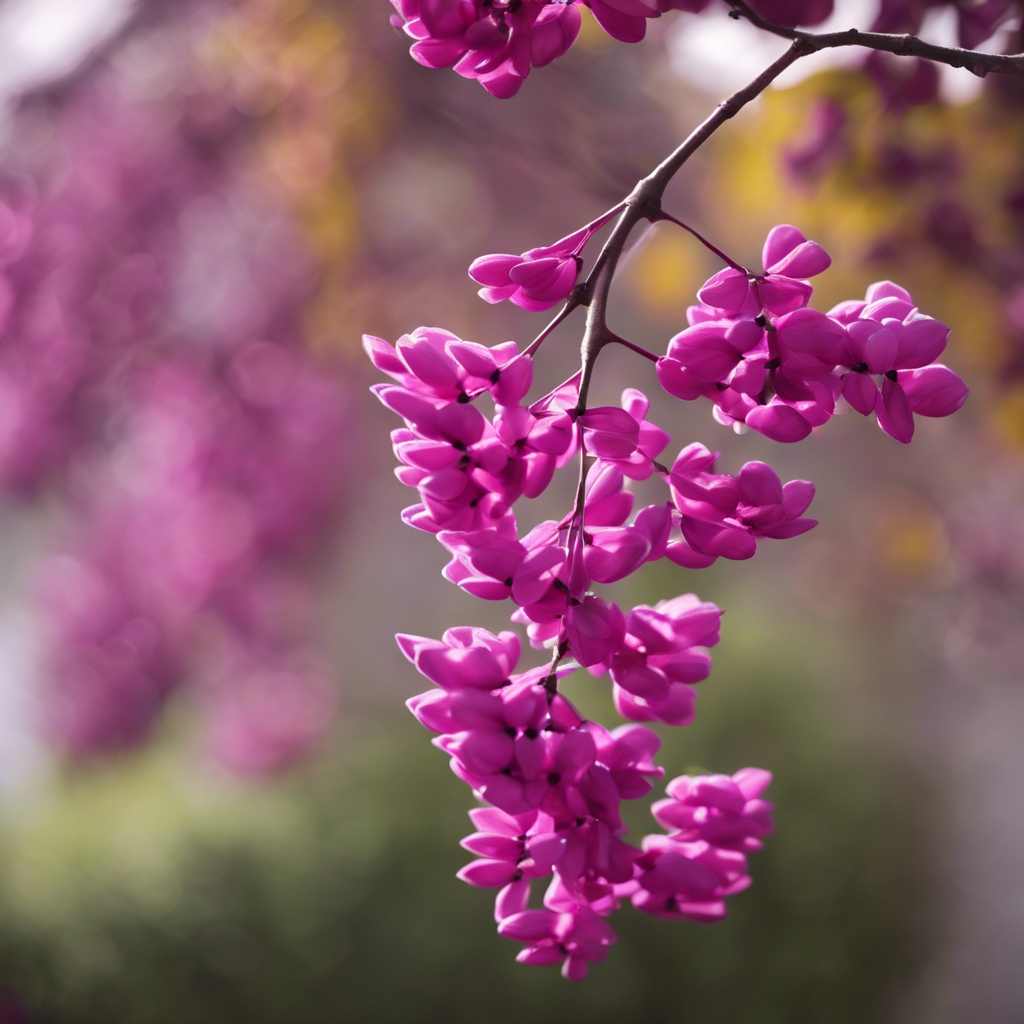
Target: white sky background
{"x": 41, "y": 40}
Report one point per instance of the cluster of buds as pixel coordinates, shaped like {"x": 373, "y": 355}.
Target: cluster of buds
{"x": 767, "y": 360}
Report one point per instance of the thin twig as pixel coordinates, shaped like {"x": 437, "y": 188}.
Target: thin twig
{"x": 901, "y": 44}
{"x": 703, "y": 241}
{"x": 636, "y": 348}
{"x": 644, "y": 203}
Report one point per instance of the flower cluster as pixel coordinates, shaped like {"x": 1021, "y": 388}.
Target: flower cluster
{"x": 554, "y": 782}
{"x": 497, "y": 42}
{"x": 196, "y": 449}
{"x": 767, "y": 360}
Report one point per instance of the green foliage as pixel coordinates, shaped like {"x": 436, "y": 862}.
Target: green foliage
{"x": 351, "y": 911}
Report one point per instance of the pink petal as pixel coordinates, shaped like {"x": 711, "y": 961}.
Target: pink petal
{"x": 781, "y": 240}
{"x": 920, "y": 343}
{"x": 778, "y": 422}
{"x": 783, "y": 294}
{"x": 513, "y": 899}
{"x": 677, "y": 382}
{"x": 727, "y": 290}
{"x": 811, "y": 344}
{"x": 805, "y": 260}
{"x": 797, "y": 496}
{"x": 530, "y": 925}
{"x": 488, "y": 874}
{"x": 759, "y": 485}
{"x": 625, "y": 28}
{"x": 861, "y": 392}
{"x": 893, "y": 412}
{"x": 933, "y": 390}
{"x": 494, "y": 847}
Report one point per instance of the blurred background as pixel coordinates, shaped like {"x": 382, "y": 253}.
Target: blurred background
{"x": 215, "y": 807}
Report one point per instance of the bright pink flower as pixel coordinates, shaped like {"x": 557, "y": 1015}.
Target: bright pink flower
{"x": 889, "y": 338}
{"x": 466, "y": 656}
{"x": 539, "y": 278}
{"x": 710, "y": 350}
{"x": 573, "y": 938}
{"x": 657, "y": 664}
{"x": 788, "y": 258}
{"x": 721, "y": 515}
{"x": 719, "y": 810}
{"x": 510, "y": 848}
{"x": 594, "y": 630}
{"x": 496, "y": 44}
{"x": 494, "y": 567}
{"x": 624, "y": 436}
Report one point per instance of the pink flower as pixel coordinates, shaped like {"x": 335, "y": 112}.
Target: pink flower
{"x": 573, "y": 938}
{"x": 889, "y": 338}
{"x": 685, "y": 880}
{"x": 465, "y": 656}
{"x": 721, "y": 515}
{"x": 495, "y": 44}
{"x": 788, "y": 258}
{"x": 719, "y": 810}
{"x": 657, "y": 663}
{"x": 539, "y": 278}
{"x": 624, "y": 436}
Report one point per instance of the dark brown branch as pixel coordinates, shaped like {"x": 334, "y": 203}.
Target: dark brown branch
{"x": 979, "y": 64}
{"x": 644, "y": 203}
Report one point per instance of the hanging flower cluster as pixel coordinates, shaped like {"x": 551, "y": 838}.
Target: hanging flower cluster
{"x": 554, "y": 780}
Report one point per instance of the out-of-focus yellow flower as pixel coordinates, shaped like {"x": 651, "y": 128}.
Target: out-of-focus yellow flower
{"x": 666, "y": 272}
{"x": 1008, "y": 415}
{"x": 321, "y": 108}
{"x": 910, "y": 539}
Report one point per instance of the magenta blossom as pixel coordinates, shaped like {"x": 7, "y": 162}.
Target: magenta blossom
{"x": 716, "y": 809}
{"x": 494, "y": 42}
{"x": 574, "y": 938}
{"x": 657, "y": 663}
{"x": 722, "y": 515}
{"x": 882, "y": 337}
{"x": 539, "y": 278}
{"x": 788, "y": 259}
{"x": 625, "y": 437}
